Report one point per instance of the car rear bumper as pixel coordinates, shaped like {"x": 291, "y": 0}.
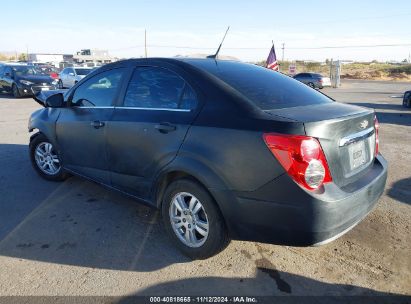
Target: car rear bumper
{"x": 283, "y": 213}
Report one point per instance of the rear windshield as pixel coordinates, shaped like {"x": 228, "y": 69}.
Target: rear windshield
{"x": 82, "y": 71}
{"x": 265, "y": 88}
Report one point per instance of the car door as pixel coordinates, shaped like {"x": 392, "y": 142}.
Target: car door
{"x": 1, "y": 77}
{"x": 148, "y": 128}
{"x": 81, "y": 126}
{"x": 70, "y": 77}
{"x": 63, "y": 76}
{"x": 7, "y": 79}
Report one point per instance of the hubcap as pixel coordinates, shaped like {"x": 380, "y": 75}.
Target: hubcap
{"x": 47, "y": 159}
{"x": 189, "y": 219}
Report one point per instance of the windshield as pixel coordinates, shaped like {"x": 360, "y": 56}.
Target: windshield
{"x": 26, "y": 70}
{"x": 82, "y": 71}
{"x": 265, "y": 88}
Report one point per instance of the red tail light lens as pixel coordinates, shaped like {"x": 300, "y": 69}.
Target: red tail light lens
{"x": 377, "y": 139}
{"x": 302, "y": 157}
{"x": 54, "y": 75}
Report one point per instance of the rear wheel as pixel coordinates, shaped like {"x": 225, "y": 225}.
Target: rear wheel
{"x": 192, "y": 220}
{"x": 407, "y": 100}
{"x": 15, "y": 91}
{"x": 45, "y": 159}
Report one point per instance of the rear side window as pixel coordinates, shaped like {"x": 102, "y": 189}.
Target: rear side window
{"x": 267, "y": 89}
{"x": 98, "y": 91}
{"x": 158, "y": 88}
{"x": 82, "y": 71}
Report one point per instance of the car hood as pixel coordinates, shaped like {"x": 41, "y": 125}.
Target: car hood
{"x": 36, "y": 78}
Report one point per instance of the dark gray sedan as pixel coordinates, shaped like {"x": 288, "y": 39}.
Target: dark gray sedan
{"x": 225, "y": 150}
{"x": 313, "y": 80}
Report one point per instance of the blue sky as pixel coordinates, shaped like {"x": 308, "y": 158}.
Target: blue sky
{"x": 192, "y": 27}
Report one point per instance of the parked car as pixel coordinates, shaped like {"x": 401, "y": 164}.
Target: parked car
{"x": 226, "y": 150}
{"x": 49, "y": 70}
{"x": 24, "y": 80}
{"x": 406, "y": 101}
{"x": 71, "y": 75}
{"x": 313, "y": 80}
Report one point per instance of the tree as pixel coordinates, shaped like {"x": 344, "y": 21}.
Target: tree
{"x": 23, "y": 57}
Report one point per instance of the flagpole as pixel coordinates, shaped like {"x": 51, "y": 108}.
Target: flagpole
{"x": 279, "y": 67}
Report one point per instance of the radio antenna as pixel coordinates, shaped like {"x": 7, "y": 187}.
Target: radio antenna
{"x": 218, "y": 50}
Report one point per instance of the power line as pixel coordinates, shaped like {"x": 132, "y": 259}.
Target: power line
{"x": 264, "y": 48}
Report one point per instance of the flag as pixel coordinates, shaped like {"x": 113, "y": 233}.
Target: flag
{"x": 272, "y": 60}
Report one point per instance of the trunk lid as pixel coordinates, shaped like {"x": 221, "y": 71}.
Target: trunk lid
{"x": 346, "y": 134}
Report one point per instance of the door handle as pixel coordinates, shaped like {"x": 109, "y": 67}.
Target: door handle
{"x": 97, "y": 124}
{"x": 165, "y": 127}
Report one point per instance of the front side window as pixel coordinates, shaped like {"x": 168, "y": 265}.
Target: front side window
{"x": 99, "y": 91}
{"x": 158, "y": 88}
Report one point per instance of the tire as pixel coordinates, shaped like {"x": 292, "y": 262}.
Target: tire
{"x": 15, "y": 91}
{"x": 41, "y": 145}
{"x": 407, "y": 100}
{"x": 311, "y": 85}
{"x": 60, "y": 84}
{"x": 217, "y": 237}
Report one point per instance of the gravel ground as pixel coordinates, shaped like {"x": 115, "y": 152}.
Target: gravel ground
{"x": 77, "y": 238}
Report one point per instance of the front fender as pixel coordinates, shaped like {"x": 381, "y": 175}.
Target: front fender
{"x": 44, "y": 120}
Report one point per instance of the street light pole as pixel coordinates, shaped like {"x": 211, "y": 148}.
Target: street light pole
{"x": 145, "y": 43}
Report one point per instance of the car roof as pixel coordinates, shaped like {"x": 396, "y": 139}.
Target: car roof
{"x": 203, "y": 64}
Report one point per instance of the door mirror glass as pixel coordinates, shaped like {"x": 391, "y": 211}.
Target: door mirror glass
{"x": 55, "y": 101}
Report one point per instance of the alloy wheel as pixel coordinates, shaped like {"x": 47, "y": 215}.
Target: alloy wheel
{"x": 47, "y": 159}
{"x": 189, "y": 219}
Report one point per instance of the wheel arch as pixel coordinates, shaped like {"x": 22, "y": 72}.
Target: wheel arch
{"x": 190, "y": 169}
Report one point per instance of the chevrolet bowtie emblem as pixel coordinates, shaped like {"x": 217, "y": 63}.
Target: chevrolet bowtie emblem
{"x": 364, "y": 124}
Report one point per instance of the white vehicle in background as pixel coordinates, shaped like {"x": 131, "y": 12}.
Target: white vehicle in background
{"x": 69, "y": 76}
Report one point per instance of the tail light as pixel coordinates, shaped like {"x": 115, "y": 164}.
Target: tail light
{"x": 302, "y": 157}
{"x": 320, "y": 80}
{"x": 54, "y": 75}
{"x": 377, "y": 139}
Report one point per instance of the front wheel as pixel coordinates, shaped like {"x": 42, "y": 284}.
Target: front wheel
{"x": 407, "y": 100}
{"x": 45, "y": 160}
{"x": 193, "y": 220}
{"x": 15, "y": 91}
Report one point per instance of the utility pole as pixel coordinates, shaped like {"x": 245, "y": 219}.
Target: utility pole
{"x": 282, "y": 57}
{"x": 145, "y": 43}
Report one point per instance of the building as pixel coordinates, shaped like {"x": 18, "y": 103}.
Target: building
{"x": 91, "y": 57}
{"x": 53, "y": 59}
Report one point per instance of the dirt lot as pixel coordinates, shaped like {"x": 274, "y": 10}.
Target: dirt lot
{"x": 77, "y": 238}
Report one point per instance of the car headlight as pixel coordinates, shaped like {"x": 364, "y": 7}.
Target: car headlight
{"x": 26, "y": 82}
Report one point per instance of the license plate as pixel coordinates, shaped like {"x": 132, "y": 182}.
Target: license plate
{"x": 45, "y": 89}
{"x": 357, "y": 154}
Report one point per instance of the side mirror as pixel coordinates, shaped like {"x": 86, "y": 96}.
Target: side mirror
{"x": 55, "y": 101}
